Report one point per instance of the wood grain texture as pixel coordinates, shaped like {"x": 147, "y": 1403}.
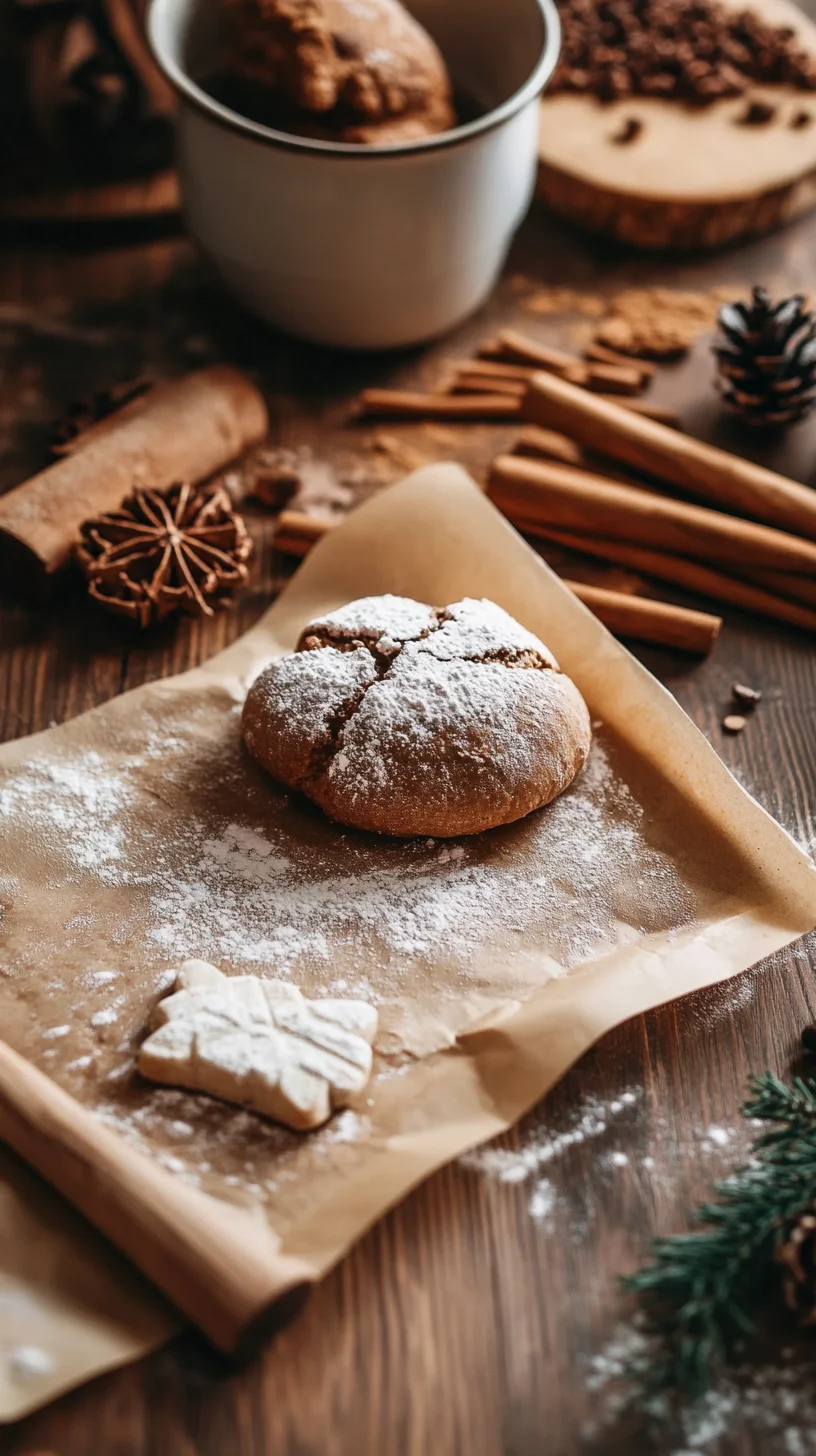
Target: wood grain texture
{"x": 460, "y": 1324}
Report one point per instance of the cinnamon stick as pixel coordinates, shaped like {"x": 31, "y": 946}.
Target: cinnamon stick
{"x": 497, "y": 369}
{"x": 519, "y": 349}
{"x": 661, "y": 413}
{"x": 700, "y": 469}
{"x": 606, "y": 378}
{"x": 575, "y": 500}
{"x": 537, "y": 442}
{"x": 660, "y": 623}
{"x": 467, "y": 383}
{"x": 621, "y": 376}
{"x": 627, "y": 616}
{"x": 602, "y": 355}
{"x": 396, "y": 404}
{"x": 186, "y": 430}
{"x": 679, "y": 571}
{"x": 602, "y": 378}
{"x": 296, "y": 533}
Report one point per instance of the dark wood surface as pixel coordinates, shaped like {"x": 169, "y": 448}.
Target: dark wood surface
{"x": 461, "y": 1324}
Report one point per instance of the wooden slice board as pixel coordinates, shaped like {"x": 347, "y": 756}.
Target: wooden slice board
{"x": 692, "y": 178}
{"x": 140, "y": 197}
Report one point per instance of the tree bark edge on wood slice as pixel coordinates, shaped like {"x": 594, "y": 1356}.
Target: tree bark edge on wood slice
{"x": 658, "y": 224}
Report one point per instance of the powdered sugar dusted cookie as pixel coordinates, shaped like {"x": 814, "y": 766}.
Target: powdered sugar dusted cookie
{"x": 260, "y": 1044}
{"x": 407, "y": 719}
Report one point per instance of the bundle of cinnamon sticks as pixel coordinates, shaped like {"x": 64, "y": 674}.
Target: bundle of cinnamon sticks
{"x": 492, "y": 387}
{"x": 623, "y": 613}
{"x": 753, "y": 544}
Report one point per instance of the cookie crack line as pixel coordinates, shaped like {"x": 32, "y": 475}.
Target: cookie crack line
{"x": 384, "y": 663}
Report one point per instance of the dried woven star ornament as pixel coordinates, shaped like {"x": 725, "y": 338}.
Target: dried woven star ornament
{"x": 260, "y": 1044}
{"x": 184, "y": 549}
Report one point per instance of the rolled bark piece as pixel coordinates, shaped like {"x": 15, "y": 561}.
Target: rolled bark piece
{"x": 491, "y": 368}
{"x": 660, "y": 623}
{"x": 185, "y": 430}
{"x": 396, "y": 404}
{"x": 467, "y": 383}
{"x": 518, "y": 348}
{"x": 606, "y": 378}
{"x": 703, "y": 470}
{"x": 551, "y": 445}
{"x": 621, "y": 376}
{"x": 600, "y": 354}
{"x": 296, "y": 533}
{"x": 574, "y": 500}
{"x": 679, "y": 571}
{"x": 661, "y": 413}
{"x": 627, "y": 616}
{"x": 220, "y": 1267}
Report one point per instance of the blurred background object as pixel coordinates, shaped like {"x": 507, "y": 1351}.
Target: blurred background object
{"x": 82, "y": 103}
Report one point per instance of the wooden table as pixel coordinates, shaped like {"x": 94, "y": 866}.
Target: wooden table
{"x": 463, "y": 1323}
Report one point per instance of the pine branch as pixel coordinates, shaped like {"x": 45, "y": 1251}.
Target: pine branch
{"x": 701, "y": 1291}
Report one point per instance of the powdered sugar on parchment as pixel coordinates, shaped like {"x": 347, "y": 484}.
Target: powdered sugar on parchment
{"x": 81, "y": 798}
{"x": 248, "y": 889}
{"x": 244, "y": 896}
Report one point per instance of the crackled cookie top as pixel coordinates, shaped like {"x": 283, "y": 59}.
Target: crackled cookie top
{"x": 407, "y": 719}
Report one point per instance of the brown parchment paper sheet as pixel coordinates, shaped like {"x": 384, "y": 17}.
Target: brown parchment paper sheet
{"x": 141, "y": 833}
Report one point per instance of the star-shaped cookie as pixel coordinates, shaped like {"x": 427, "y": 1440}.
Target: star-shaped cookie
{"x": 260, "y": 1044}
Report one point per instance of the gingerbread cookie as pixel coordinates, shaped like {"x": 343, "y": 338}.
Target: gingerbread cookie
{"x": 406, "y": 719}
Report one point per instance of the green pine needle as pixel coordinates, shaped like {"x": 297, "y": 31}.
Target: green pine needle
{"x": 701, "y": 1291}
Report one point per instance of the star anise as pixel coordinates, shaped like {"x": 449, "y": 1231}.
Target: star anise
{"x": 184, "y": 549}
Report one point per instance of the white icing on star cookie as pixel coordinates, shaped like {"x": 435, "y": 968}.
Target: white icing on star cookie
{"x": 260, "y": 1044}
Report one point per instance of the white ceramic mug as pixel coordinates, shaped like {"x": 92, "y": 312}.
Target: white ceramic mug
{"x": 356, "y": 246}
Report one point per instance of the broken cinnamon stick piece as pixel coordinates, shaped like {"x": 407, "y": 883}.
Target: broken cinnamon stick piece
{"x": 396, "y": 404}
{"x": 573, "y": 500}
{"x": 466, "y": 383}
{"x": 703, "y": 470}
{"x": 627, "y": 616}
{"x": 537, "y": 442}
{"x": 186, "y": 430}
{"x": 497, "y": 369}
{"x": 517, "y": 348}
{"x": 601, "y": 355}
{"x": 679, "y": 571}
{"x": 296, "y": 532}
{"x": 605, "y": 378}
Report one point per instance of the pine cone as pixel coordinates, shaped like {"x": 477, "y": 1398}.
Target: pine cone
{"x": 766, "y": 357}
{"x": 798, "y": 1259}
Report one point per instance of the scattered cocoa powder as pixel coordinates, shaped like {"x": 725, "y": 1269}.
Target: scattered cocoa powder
{"x": 553, "y": 301}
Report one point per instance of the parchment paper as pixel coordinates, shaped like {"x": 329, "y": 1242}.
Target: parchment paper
{"x": 141, "y": 833}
